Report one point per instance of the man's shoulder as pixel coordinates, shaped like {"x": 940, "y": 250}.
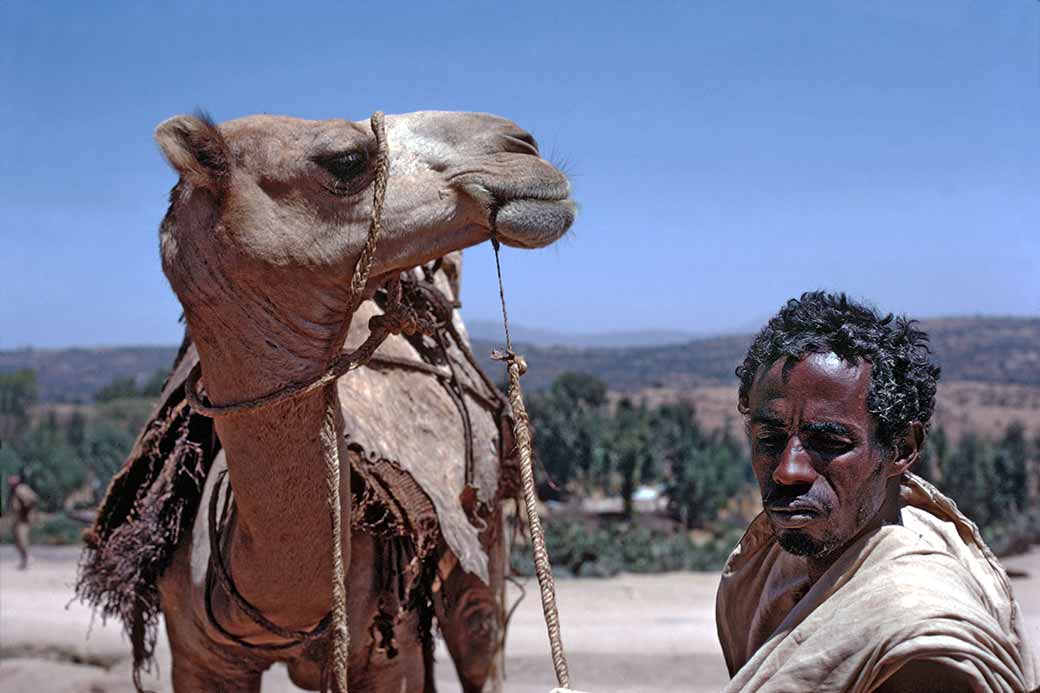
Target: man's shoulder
{"x": 918, "y": 575}
{"x": 956, "y": 551}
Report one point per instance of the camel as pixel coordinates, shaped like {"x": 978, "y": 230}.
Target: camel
{"x": 263, "y": 232}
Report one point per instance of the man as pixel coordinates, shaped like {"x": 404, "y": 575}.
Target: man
{"x": 21, "y": 501}
{"x": 858, "y": 576}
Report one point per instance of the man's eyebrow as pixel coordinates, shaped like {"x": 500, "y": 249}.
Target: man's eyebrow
{"x": 767, "y": 417}
{"x": 828, "y": 427}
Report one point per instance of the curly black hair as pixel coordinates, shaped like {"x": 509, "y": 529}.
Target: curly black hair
{"x": 903, "y": 377}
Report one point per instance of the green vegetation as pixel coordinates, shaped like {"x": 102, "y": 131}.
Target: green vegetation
{"x": 68, "y": 453}
{"x": 583, "y": 547}
{"x": 589, "y": 448}
{"x": 126, "y": 388}
{"x": 18, "y": 392}
{"x": 990, "y": 479}
{"x": 56, "y": 529}
{"x": 705, "y": 471}
{"x": 589, "y": 444}
{"x": 570, "y": 421}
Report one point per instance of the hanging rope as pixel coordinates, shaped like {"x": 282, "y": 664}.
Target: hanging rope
{"x": 521, "y": 430}
{"x": 330, "y": 433}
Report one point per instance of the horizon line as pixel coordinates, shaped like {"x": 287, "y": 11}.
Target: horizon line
{"x": 693, "y": 335}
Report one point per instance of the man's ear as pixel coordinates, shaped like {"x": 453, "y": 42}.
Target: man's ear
{"x": 195, "y": 148}
{"x": 908, "y": 449}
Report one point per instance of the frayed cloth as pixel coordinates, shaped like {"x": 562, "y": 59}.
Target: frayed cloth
{"x": 149, "y": 505}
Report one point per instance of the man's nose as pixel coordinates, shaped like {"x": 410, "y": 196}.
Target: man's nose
{"x": 795, "y": 465}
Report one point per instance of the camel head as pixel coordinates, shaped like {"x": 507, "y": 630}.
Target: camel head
{"x": 270, "y": 213}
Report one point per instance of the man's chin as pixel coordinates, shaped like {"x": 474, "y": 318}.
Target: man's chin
{"x": 800, "y": 543}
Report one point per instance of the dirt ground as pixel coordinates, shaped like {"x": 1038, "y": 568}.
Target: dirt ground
{"x": 632, "y": 633}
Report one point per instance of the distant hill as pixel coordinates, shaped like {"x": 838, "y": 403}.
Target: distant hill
{"x": 989, "y": 350}
{"x": 697, "y": 362}
{"x": 981, "y": 349}
{"x": 490, "y": 330}
{"x": 992, "y": 350}
{"x": 74, "y": 375}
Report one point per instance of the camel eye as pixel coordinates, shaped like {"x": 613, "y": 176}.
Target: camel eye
{"x": 344, "y": 165}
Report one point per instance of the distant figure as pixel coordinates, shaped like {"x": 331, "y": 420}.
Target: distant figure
{"x": 22, "y": 500}
{"x": 858, "y": 576}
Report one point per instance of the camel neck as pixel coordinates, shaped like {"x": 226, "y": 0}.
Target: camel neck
{"x": 275, "y": 465}
{"x": 279, "y": 549}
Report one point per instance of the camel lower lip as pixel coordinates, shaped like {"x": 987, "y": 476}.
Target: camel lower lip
{"x": 534, "y": 222}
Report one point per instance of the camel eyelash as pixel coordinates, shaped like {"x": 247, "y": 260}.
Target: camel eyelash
{"x": 344, "y": 166}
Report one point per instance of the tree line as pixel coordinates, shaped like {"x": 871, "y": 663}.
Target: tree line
{"x": 68, "y": 454}
{"x": 590, "y": 446}
{"x": 995, "y": 481}
{"x": 588, "y": 443}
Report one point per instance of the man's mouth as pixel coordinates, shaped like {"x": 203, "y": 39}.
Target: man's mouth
{"x": 794, "y": 515}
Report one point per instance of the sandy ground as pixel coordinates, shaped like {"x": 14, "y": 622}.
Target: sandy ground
{"x": 650, "y": 634}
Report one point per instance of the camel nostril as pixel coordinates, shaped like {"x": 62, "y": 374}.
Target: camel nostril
{"x": 521, "y": 142}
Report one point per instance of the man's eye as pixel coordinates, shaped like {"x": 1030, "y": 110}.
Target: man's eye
{"x": 831, "y": 446}
{"x": 345, "y": 165}
{"x": 771, "y": 442}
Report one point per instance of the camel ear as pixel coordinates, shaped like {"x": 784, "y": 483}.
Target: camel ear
{"x": 195, "y": 148}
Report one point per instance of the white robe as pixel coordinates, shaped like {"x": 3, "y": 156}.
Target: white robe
{"x": 929, "y": 590}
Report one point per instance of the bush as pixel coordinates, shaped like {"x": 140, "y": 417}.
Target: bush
{"x": 1015, "y": 535}
{"x": 55, "y": 529}
{"x": 570, "y": 422}
{"x": 62, "y": 453}
{"x": 988, "y": 478}
{"x": 18, "y": 392}
{"x": 130, "y": 414}
{"x": 583, "y": 547}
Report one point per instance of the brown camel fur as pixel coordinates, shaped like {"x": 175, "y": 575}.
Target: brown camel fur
{"x": 261, "y": 238}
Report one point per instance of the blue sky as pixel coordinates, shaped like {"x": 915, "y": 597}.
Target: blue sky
{"x": 727, "y": 155}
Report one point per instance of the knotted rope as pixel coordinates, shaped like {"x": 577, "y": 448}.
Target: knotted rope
{"x": 397, "y": 318}
{"x": 522, "y": 432}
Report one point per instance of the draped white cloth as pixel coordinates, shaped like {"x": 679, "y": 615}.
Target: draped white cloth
{"x": 928, "y": 590}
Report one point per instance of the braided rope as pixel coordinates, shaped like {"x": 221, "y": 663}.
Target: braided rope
{"x": 521, "y": 430}
{"x": 330, "y": 431}
{"x": 339, "y": 643}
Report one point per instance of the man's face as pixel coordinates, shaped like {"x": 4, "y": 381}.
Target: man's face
{"x": 813, "y": 451}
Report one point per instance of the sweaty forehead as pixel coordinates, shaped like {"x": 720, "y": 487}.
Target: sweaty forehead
{"x": 818, "y": 385}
